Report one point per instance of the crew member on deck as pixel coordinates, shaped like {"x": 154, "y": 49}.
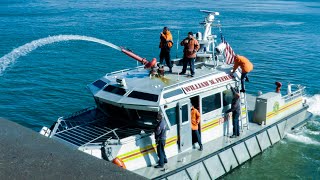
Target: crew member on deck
{"x": 235, "y": 109}
{"x": 195, "y": 120}
{"x": 191, "y": 46}
{"x": 246, "y": 66}
{"x": 165, "y": 46}
{"x": 160, "y": 137}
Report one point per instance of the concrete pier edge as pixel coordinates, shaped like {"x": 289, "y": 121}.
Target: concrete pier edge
{"x": 25, "y": 154}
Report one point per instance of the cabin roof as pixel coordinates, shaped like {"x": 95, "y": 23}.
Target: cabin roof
{"x": 139, "y": 88}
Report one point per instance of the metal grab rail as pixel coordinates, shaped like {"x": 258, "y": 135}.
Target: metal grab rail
{"x": 111, "y": 131}
{"x": 78, "y": 112}
{"x": 293, "y": 95}
{"x": 124, "y": 70}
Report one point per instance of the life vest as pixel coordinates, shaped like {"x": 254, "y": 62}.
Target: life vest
{"x": 166, "y": 40}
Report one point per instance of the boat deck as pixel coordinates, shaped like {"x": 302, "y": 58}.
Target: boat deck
{"x": 194, "y": 154}
{"x": 141, "y": 76}
{"x": 217, "y": 145}
{"x": 91, "y": 126}
{"x": 223, "y": 154}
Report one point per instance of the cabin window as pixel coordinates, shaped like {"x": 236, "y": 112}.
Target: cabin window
{"x": 143, "y": 96}
{"x": 211, "y": 103}
{"x": 172, "y": 93}
{"x": 143, "y": 117}
{"x": 184, "y": 112}
{"x": 115, "y": 90}
{"x": 172, "y": 115}
{"x": 99, "y": 84}
{"x": 227, "y": 97}
{"x": 114, "y": 111}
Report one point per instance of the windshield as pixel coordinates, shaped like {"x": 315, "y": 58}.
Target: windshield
{"x": 130, "y": 116}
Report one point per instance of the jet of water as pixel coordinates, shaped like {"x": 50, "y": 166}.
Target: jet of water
{"x": 23, "y": 50}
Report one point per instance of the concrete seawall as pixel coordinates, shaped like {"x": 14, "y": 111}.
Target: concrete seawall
{"x": 25, "y": 154}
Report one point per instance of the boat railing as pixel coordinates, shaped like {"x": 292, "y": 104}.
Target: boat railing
{"x": 188, "y": 80}
{"x": 73, "y": 123}
{"x": 124, "y": 70}
{"x": 295, "y": 94}
{"x": 77, "y": 113}
{"x": 111, "y": 131}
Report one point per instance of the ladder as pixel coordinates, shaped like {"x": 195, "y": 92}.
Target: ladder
{"x": 243, "y": 119}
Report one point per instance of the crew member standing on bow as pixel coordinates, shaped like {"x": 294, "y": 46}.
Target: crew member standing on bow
{"x": 160, "y": 137}
{"x": 246, "y": 66}
{"x": 235, "y": 109}
{"x": 195, "y": 120}
{"x": 191, "y": 46}
{"x": 165, "y": 46}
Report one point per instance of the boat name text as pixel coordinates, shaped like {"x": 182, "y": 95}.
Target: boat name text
{"x": 204, "y": 84}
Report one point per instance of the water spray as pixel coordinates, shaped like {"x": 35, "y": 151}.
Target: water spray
{"x": 23, "y": 50}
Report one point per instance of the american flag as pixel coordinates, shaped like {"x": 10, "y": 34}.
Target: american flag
{"x": 229, "y": 53}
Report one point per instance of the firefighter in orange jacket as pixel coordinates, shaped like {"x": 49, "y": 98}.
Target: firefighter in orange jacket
{"x": 165, "y": 46}
{"x": 246, "y": 66}
{"x": 195, "y": 120}
{"x": 191, "y": 46}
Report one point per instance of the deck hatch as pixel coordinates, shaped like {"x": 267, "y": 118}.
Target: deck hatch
{"x": 99, "y": 84}
{"x": 115, "y": 90}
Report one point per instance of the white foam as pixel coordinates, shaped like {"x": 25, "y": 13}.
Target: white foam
{"x": 302, "y": 138}
{"x": 313, "y": 132}
{"x": 314, "y": 104}
{"x": 23, "y": 50}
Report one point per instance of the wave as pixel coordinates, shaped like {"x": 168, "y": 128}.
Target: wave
{"x": 299, "y": 137}
{"x": 314, "y": 104}
{"x": 23, "y": 50}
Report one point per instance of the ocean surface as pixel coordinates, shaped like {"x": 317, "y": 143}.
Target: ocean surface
{"x": 47, "y": 78}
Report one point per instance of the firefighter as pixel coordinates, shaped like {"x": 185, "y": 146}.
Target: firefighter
{"x": 246, "y": 66}
{"x": 165, "y": 46}
{"x": 195, "y": 120}
{"x": 160, "y": 137}
{"x": 191, "y": 46}
{"x": 235, "y": 109}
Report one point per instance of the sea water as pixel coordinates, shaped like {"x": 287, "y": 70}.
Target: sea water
{"x": 39, "y": 84}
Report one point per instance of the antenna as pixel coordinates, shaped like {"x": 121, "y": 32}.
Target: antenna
{"x": 210, "y": 12}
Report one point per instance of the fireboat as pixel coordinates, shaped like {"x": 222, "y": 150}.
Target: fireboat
{"x": 120, "y": 127}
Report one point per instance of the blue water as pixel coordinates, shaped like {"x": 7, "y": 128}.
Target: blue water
{"x": 281, "y": 38}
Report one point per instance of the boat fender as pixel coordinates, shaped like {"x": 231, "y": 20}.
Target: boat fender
{"x": 119, "y": 162}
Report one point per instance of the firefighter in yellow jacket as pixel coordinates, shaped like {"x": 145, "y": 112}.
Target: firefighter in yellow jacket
{"x": 195, "y": 120}
{"x": 165, "y": 46}
{"x": 246, "y": 66}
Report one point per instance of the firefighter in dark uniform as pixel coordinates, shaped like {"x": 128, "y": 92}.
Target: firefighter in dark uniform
{"x": 160, "y": 137}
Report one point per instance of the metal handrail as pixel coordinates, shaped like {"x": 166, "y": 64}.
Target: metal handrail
{"x": 299, "y": 92}
{"x": 78, "y": 125}
{"x": 182, "y": 82}
{"x": 111, "y": 131}
{"x": 124, "y": 70}
{"x": 79, "y": 112}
